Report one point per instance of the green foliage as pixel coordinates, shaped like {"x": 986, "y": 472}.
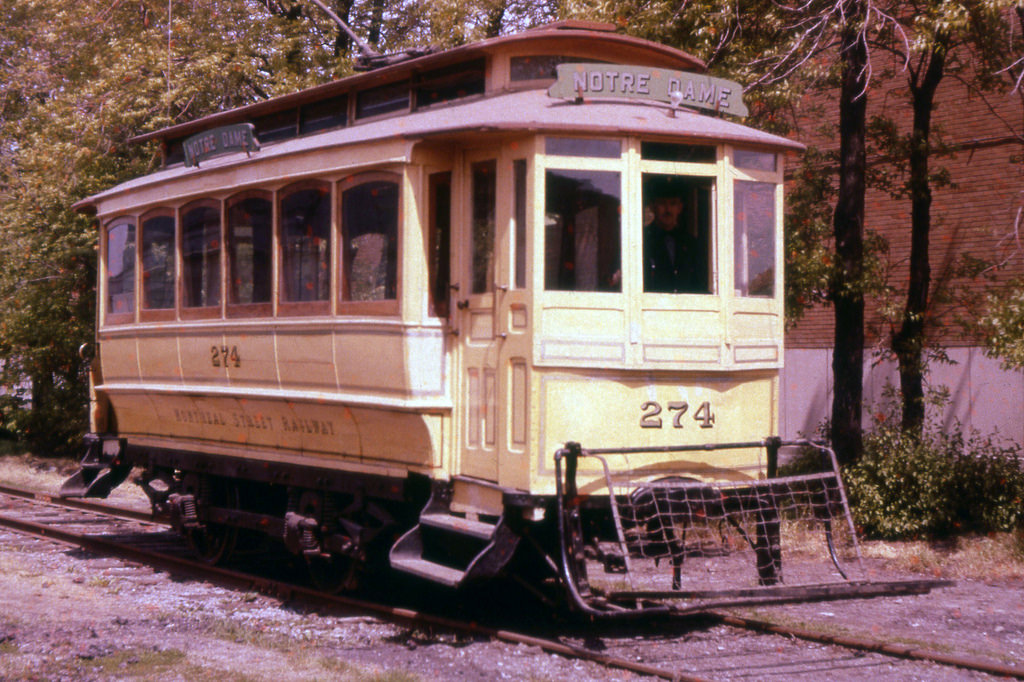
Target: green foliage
{"x": 1002, "y": 324}
{"x": 944, "y": 483}
{"x": 77, "y": 81}
{"x": 809, "y": 254}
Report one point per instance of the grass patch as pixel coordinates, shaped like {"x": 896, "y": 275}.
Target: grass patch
{"x": 29, "y": 471}
{"x": 138, "y": 662}
{"x": 196, "y": 673}
{"x": 47, "y": 475}
{"x": 230, "y": 631}
{"x": 977, "y": 557}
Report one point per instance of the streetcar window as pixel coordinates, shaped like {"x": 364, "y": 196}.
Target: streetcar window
{"x": 582, "y": 249}
{"x": 121, "y": 269}
{"x": 519, "y": 206}
{"x": 323, "y": 115}
{"x": 581, "y": 146}
{"x": 454, "y": 82}
{"x": 369, "y": 224}
{"x": 440, "y": 241}
{"x": 535, "y": 67}
{"x": 540, "y": 67}
{"x": 677, "y": 153}
{"x": 158, "y": 262}
{"x": 200, "y": 241}
{"x": 484, "y": 199}
{"x": 305, "y": 243}
{"x": 754, "y": 160}
{"x": 250, "y": 231}
{"x": 382, "y": 100}
{"x": 276, "y": 127}
{"x": 754, "y": 235}
{"x": 677, "y": 234}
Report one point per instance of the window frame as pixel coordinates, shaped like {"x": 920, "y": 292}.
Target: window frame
{"x": 774, "y": 177}
{"x": 258, "y": 308}
{"x": 157, "y": 314}
{"x": 693, "y": 171}
{"x": 376, "y": 307}
{"x": 109, "y": 316}
{"x": 621, "y": 165}
{"x": 188, "y": 312}
{"x": 287, "y": 307}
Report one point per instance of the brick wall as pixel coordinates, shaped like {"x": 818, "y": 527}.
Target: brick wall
{"x": 975, "y": 215}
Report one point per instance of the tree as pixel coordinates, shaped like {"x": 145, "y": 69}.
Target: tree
{"x": 767, "y": 46}
{"x": 942, "y": 40}
{"x": 77, "y": 81}
{"x": 841, "y": 46}
{"x": 845, "y": 292}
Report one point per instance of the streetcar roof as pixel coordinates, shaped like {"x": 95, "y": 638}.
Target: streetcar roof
{"x": 561, "y": 34}
{"x": 527, "y": 111}
{"x": 497, "y": 110}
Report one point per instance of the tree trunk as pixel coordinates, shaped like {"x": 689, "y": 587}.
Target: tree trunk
{"x": 908, "y": 342}
{"x": 376, "y": 22}
{"x": 495, "y": 16}
{"x": 342, "y": 43}
{"x": 848, "y": 228}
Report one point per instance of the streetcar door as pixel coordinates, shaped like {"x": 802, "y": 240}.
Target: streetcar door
{"x": 474, "y": 311}
{"x": 489, "y": 318}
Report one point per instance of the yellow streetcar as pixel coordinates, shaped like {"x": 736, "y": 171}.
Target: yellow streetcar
{"x": 375, "y": 318}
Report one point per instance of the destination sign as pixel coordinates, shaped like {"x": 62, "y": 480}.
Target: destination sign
{"x": 235, "y": 138}
{"x": 678, "y": 88}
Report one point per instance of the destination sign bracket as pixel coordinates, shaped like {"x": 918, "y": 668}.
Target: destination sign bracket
{"x": 677, "y": 88}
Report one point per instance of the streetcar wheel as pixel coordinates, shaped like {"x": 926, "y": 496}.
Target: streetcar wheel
{"x": 333, "y": 574}
{"x": 213, "y": 543}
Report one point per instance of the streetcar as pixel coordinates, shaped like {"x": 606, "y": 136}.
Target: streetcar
{"x": 509, "y": 310}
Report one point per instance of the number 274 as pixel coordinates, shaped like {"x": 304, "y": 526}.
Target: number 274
{"x": 650, "y": 415}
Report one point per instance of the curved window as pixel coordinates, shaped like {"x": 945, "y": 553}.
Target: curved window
{"x": 121, "y": 270}
{"x": 158, "y": 260}
{"x": 306, "y": 243}
{"x": 200, "y": 246}
{"x": 250, "y": 234}
{"x": 369, "y": 227}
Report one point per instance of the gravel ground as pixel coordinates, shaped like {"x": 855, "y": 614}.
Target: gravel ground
{"x": 65, "y": 614}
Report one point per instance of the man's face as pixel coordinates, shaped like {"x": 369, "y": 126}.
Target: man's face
{"x": 666, "y": 212}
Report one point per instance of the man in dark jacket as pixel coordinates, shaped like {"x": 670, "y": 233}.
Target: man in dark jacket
{"x": 673, "y": 259}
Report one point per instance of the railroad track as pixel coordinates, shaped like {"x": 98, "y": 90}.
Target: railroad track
{"x": 137, "y": 537}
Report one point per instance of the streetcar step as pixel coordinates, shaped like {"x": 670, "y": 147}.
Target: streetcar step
{"x": 452, "y": 548}
{"x": 459, "y": 525}
{"x": 438, "y": 573}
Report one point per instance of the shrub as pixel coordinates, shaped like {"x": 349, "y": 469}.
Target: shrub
{"x": 943, "y": 483}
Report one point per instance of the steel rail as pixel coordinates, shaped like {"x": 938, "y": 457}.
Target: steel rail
{"x": 314, "y": 598}
{"x": 99, "y": 507}
{"x": 307, "y": 596}
{"x": 877, "y": 646}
